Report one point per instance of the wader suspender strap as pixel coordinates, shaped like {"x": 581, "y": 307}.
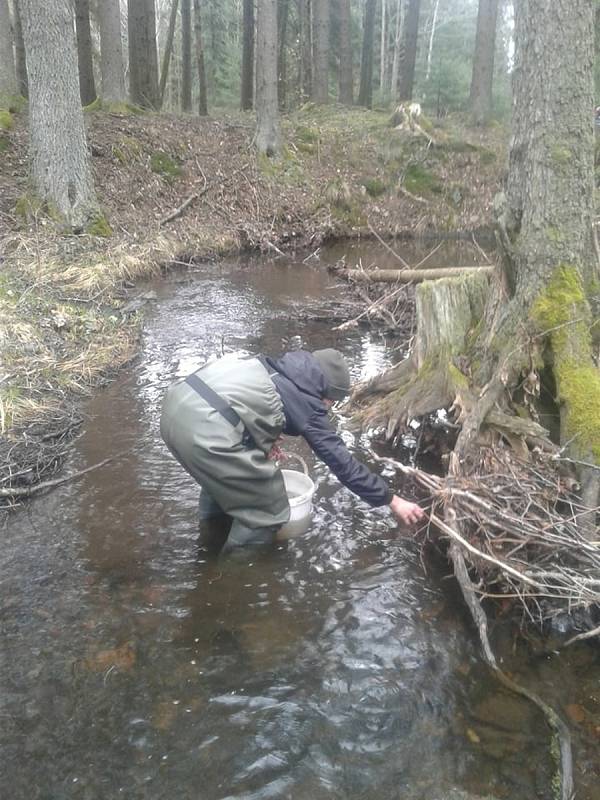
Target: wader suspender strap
{"x": 215, "y": 400}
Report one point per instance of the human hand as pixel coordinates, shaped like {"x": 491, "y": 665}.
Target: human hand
{"x": 406, "y": 512}
{"x": 276, "y": 453}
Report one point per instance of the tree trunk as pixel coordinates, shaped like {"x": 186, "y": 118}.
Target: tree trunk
{"x": 483, "y": 61}
{"x": 547, "y": 222}
{"x": 383, "y": 46}
{"x": 320, "y": 29}
{"x": 143, "y": 59}
{"x": 20, "y": 61}
{"x": 282, "y": 25}
{"x": 8, "y": 76}
{"x": 268, "y": 139}
{"x": 304, "y": 13}
{"x": 397, "y": 48}
{"x": 87, "y": 85}
{"x": 346, "y": 79}
{"x": 60, "y": 165}
{"x": 365, "y": 92}
{"x": 431, "y": 38}
{"x": 411, "y": 36}
{"x": 168, "y": 53}
{"x": 247, "y": 94}
{"x": 111, "y": 51}
{"x": 202, "y": 93}
{"x": 186, "y": 55}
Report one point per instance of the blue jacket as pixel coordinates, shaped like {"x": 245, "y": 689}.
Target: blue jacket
{"x": 301, "y": 385}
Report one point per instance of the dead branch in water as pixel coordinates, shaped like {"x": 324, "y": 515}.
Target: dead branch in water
{"x": 409, "y": 275}
{"x": 28, "y": 491}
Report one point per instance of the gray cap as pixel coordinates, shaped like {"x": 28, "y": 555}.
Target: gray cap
{"x": 336, "y": 372}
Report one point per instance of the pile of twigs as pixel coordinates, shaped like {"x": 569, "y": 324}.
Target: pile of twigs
{"x": 518, "y": 527}
{"x": 391, "y": 310}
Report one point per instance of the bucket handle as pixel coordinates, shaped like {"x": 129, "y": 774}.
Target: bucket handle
{"x": 299, "y": 458}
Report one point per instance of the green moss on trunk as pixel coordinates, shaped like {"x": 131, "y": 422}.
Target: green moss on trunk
{"x": 562, "y": 312}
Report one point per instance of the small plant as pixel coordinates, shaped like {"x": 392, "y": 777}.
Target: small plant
{"x": 307, "y": 135}
{"x": 127, "y": 150}
{"x": 338, "y": 194}
{"x": 99, "y": 226}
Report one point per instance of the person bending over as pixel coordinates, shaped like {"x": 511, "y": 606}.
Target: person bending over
{"x": 222, "y": 424}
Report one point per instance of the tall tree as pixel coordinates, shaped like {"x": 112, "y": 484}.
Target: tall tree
{"x": 434, "y": 16}
{"x": 346, "y": 80}
{"x": 20, "y": 61}
{"x": 87, "y": 85}
{"x": 8, "y": 76}
{"x": 143, "y": 59}
{"x": 398, "y": 38}
{"x": 410, "y": 41}
{"x": 168, "y": 52}
{"x": 283, "y": 9}
{"x": 60, "y": 165}
{"x": 383, "y": 46}
{"x": 112, "y": 67}
{"x": 186, "y": 55}
{"x": 483, "y": 61}
{"x": 202, "y": 89}
{"x": 306, "y": 70}
{"x": 247, "y": 92}
{"x": 320, "y": 36}
{"x": 268, "y": 137}
{"x": 551, "y": 189}
{"x": 365, "y": 92}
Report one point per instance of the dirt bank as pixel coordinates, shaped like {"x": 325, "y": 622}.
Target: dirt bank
{"x": 179, "y": 189}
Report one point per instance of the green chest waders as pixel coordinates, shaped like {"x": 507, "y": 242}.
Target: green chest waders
{"x": 220, "y": 423}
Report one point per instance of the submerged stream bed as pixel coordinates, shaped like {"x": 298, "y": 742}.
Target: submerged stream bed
{"x": 340, "y": 665}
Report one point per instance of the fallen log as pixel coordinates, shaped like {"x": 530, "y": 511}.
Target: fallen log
{"x": 410, "y": 275}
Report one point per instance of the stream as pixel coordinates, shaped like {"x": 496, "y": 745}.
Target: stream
{"x": 339, "y": 665}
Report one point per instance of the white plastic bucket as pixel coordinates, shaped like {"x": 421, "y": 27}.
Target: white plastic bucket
{"x": 300, "y": 489}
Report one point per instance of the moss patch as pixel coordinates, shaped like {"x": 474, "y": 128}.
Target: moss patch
{"x": 6, "y": 120}
{"x": 124, "y": 109}
{"x": 4, "y": 143}
{"x": 420, "y": 181}
{"x": 563, "y": 312}
{"x": 164, "y": 165}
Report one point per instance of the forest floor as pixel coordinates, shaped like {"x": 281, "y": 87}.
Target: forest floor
{"x": 67, "y": 316}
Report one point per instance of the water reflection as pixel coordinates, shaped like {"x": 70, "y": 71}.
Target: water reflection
{"x": 135, "y": 665}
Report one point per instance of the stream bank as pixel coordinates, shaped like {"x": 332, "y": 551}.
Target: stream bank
{"x": 70, "y": 309}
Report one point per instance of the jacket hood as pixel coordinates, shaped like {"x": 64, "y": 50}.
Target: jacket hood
{"x": 303, "y": 370}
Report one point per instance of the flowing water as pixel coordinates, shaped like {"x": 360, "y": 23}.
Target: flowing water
{"x": 339, "y": 665}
